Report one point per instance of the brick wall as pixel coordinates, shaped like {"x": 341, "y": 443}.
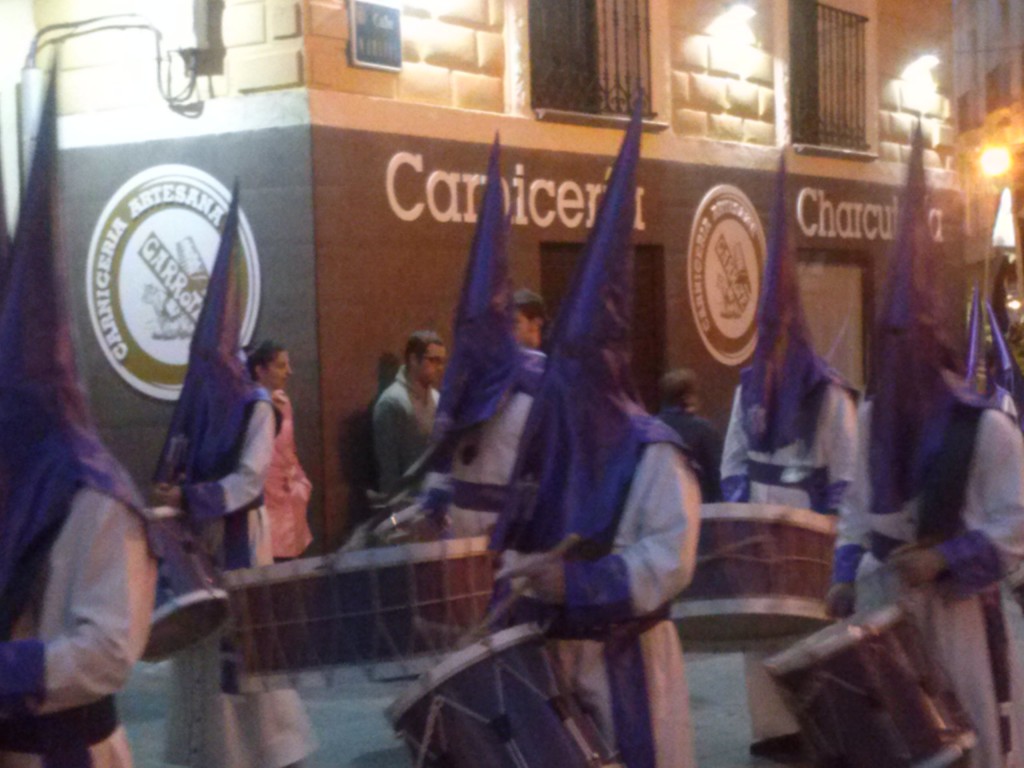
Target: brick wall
{"x": 906, "y": 31}
{"x": 257, "y": 45}
{"x": 720, "y": 91}
{"x": 453, "y": 54}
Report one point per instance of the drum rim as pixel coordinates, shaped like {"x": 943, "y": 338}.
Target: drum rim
{"x": 833, "y": 639}
{"x": 456, "y": 662}
{"x": 360, "y": 559}
{"x": 196, "y": 596}
{"x": 780, "y": 513}
{"x": 803, "y": 607}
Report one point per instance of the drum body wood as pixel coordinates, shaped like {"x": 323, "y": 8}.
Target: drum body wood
{"x": 397, "y": 609}
{"x": 191, "y": 603}
{"x": 762, "y": 574}
{"x": 868, "y": 695}
{"x": 497, "y": 704}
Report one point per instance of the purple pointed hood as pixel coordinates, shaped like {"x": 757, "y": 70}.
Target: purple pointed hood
{"x": 973, "y": 341}
{"x": 484, "y": 359}
{"x": 5, "y": 238}
{"x": 912, "y": 398}
{"x": 785, "y": 369}
{"x": 212, "y": 411}
{"x": 48, "y": 445}
{"x": 1008, "y": 375}
{"x": 586, "y": 429}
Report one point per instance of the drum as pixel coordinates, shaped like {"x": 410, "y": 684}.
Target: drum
{"x": 496, "y": 704}
{"x": 191, "y": 604}
{"x": 866, "y": 693}
{"x": 395, "y": 609}
{"x": 762, "y": 574}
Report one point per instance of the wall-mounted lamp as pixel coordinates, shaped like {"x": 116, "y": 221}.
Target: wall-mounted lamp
{"x": 919, "y": 86}
{"x": 732, "y": 40}
{"x": 734, "y": 25}
{"x": 995, "y": 161}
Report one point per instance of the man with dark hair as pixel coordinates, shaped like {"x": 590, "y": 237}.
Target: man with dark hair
{"x": 679, "y": 403}
{"x": 403, "y": 417}
{"x": 531, "y": 315}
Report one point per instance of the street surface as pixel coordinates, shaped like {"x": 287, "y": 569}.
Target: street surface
{"x": 354, "y": 733}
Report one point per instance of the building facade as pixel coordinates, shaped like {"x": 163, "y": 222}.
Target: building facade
{"x": 988, "y": 103}
{"x": 359, "y": 133}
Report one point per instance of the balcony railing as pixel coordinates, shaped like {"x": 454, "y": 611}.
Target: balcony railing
{"x": 828, "y": 75}
{"x": 589, "y": 56}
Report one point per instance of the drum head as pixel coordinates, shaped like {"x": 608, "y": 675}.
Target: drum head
{"x": 183, "y": 623}
{"x": 745, "y": 624}
{"x": 457, "y": 662}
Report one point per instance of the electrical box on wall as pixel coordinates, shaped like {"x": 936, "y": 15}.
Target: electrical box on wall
{"x": 376, "y": 34}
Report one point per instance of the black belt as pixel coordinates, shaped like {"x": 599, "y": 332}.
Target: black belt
{"x": 560, "y": 627}
{"x": 65, "y": 731}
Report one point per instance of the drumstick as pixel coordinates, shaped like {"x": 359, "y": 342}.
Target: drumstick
{"x": 515, "y": 592}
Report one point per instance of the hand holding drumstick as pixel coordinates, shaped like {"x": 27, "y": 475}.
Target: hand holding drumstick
{"x": 917, "y": 565}
{"x": 543, "y": 572}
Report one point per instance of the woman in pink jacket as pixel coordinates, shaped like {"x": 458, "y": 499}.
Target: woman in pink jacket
{"x": 287, "y": 489}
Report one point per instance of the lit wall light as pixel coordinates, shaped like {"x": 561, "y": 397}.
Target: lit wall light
{"x": 734, "y": 25}
{"x": 995, "y": 161}
{"x": 919, "y": 86}
{"x": 732, "y": 40}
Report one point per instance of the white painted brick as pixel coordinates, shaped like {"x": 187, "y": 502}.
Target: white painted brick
{"x": 285, "y": 19}
{"x": 96, "y": 89}
{"x": 245, "y": 25}
{"x": 274, "y": 69}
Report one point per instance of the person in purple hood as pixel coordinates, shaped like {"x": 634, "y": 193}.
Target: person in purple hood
{"x": 791, "y": 440}
{"x": 226, "y": 423}
{"x": 935, "y": 515}
{"x": 488, "y": 384}
{"x": 599, "y": 532}
{"x": 77, "y": 576}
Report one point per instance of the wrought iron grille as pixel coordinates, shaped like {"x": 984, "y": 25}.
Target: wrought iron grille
{"x": 997, "y": 87}
{"x": 828, "y": 76}
{"x": 590, "y": 56}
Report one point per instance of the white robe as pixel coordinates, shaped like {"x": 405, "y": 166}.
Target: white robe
{"x": 92, "y": 614}
{"x": 657, "y": 541}
{"x": 492, "y": 448}
{"x": 834, "y": 447}
{"x": 952, "y": 625}
{"x": 210, "y": 729}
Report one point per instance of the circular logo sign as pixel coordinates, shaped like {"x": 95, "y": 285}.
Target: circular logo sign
{"x": 727, "y": 253}
{"x": 149, "y": 263}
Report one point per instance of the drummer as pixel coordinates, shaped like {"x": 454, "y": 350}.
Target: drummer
{"x": 76, "y": 576}
{"x": 609, "y": 473}
{"x": 938, "y": 496}
{"x": 229, "y": 426}
{"x": 791, "y": 440}
{"x": 488, "y": 385}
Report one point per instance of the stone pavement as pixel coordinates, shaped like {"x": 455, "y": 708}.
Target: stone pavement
{"x": 354, "y": 733}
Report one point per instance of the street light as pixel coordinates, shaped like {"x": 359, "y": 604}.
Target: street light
{"x": 995, "y": 162}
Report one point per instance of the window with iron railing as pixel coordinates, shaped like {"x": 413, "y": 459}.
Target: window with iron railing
{"x": 997, "y": 87}
{"x": 828, "y": 76}
{"x": 589, "y": 56}
{"x": 966, "y": 114}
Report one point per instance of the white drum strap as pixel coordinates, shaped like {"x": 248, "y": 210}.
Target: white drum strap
{"x": 428, "y": 732}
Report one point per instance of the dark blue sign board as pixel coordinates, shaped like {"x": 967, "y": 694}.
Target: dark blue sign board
{"x": 377, "y": 35}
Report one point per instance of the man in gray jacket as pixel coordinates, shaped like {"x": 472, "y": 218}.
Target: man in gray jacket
{"x": 403, "y": 417}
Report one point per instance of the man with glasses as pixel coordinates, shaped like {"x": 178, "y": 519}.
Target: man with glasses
{"x": 403, "y": 417}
